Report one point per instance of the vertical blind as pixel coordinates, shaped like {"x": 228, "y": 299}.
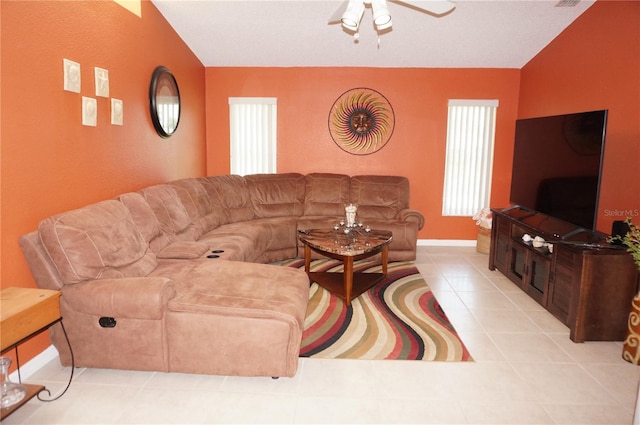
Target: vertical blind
{"x": 469, "y": 156}
{"x": 253, "y": 133}
{"x": 168, "y": 113}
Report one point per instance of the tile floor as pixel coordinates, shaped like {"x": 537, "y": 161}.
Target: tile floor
{"x": 526, "y": 371}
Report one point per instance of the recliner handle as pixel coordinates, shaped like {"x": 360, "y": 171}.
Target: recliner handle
{"x": 107, "y": 322}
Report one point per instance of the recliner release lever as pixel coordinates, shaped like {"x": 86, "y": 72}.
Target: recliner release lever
{"x": 107, "y": 322}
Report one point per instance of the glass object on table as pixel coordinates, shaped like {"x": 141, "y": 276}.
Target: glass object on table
{"x": 11, "y": 393}
{"x": 350, "y": 212}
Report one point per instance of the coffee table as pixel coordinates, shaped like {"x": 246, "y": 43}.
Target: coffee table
{"x": 356, "y": 245}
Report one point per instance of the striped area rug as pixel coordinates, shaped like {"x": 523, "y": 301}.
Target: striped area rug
{"x": 398, "y": 319}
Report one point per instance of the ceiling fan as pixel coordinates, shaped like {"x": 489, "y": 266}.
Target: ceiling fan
{"x": 350, "y": 12}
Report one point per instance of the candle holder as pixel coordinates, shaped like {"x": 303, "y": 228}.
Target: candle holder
{"x": 350, "y": 235}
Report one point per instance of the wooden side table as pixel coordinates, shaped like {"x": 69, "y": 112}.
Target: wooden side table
{"x": 24, "y": 313}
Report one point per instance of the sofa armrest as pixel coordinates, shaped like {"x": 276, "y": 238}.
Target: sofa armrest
{"x": 407, "y": 214}
{"x": 126, "y": 298}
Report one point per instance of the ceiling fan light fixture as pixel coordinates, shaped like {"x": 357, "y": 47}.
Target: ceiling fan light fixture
{"x": 385, "y": 25}
{"x": 381, "y": 15}
{"x": 352, "y": 15}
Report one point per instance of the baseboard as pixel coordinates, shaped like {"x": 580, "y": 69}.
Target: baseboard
{"x": 446, "y": 242}
{"x": 32, "y": 366}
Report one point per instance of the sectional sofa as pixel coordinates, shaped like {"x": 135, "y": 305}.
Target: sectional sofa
{"x": 174, "y": 278}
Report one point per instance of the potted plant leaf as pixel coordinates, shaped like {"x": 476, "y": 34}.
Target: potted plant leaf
{"x": 631, "y": 346}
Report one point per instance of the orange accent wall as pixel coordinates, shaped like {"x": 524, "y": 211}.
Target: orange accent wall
{"x": 595, "y": 64}
{"x": 419, "y": 98}
{"x": 50, "y": 162}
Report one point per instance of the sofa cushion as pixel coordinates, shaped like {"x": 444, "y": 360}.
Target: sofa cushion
{"x": 326, "y": 194}
{"x": 379, "y": 197}
{"x": 404, "y": 233}
{"x": 96, "y": 242}
{"x": 245, "y": 289}
{"x": 142, "y": 215}
{"x": 243, "y": 319}
{"x": 122, "y": 298}
{"x": 277, "y": 195}
{"x": 146, "y": 221}
{"x": 198, "y": 204}
{"x": 316, "y": 222}
{"x": 282, "y": 231}
{"x": 183, "y": 250}
{"x": 232, "y": 195}
{"x": 245, "y": 241}
{"x": 170, "y": 211}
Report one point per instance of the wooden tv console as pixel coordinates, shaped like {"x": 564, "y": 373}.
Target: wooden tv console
{"x": 582, "y": 280}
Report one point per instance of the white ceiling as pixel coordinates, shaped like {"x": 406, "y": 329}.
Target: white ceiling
{"x": 291, "y": 33}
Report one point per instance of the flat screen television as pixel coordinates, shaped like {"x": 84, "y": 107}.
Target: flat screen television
{"x": 557, "y": 162}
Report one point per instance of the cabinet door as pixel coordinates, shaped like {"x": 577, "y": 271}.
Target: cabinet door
{"x": 562, "y": 283}
{"x": 502, "y": 238}
{"x": 530, "y": 269}
{"x": 517, "y": 271}
{"x": 536, "y": 283}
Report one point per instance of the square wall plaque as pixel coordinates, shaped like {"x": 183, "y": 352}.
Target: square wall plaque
{"x": 117, "y": 112}
{"x": 102, "y": 82}
{"x": 71, "y": 75}
{"x": 89, "y": 111}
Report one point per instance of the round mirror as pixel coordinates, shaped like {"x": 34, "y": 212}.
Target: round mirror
{"x": 164, "y": 99}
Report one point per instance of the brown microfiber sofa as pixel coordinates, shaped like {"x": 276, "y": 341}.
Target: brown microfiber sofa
{"x": 142, "y": 288}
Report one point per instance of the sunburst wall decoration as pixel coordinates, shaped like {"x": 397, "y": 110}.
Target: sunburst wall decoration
{"x": 361, "y": 121}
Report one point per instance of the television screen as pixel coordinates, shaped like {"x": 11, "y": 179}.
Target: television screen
{"x": 557, "y": 163}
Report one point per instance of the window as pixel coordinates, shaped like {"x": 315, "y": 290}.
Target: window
{"x": 469, "y": 157}
{"x": 253, "y": 133}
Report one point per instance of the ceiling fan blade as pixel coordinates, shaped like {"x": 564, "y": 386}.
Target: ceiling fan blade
{"x": 336, "y": 18}
{"x": 435, "y": 7}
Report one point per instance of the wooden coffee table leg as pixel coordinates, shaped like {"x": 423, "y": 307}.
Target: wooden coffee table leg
{"x": 348, "y": 279}
{"x": 385, "y": 258}
{"x": 307, "y": 258}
